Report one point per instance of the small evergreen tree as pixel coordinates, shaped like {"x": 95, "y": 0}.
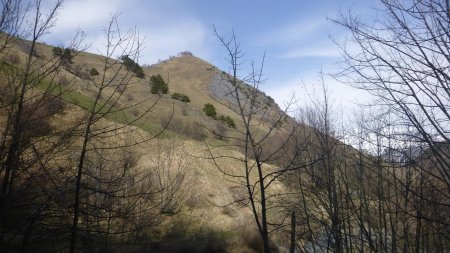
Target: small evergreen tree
{"x": 210, "y": 110}
{"x": 228, "y": 121}
{"x": 181, "y": 97}
{"x": 176, "y": 96}
{"x": 132, "y": 66}
{"x": 64, "y": 53}
{"x": 94, "y": 72}
{"x": 158, "y": 85}
{"x": 185, "y": 99}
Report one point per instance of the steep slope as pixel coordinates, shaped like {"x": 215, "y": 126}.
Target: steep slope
{"x": 207, "y": 191}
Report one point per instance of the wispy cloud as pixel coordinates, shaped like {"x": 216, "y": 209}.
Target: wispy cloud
{"x": 312, "y": 51}
{"x": 293, "y": 32}
{"x": 305, "y": 37}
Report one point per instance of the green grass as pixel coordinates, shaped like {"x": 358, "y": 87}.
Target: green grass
{"x": 115, "y": 114}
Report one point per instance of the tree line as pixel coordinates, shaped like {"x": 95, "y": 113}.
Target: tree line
{"x": 386, "y": 192}
{"x": 72, "y": 184}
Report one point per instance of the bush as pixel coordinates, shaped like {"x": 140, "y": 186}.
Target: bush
{"x": 158, "y": 85}
{"x": 80, "y": 72}
{"x": 176, "y": 96}
{"x": 185, "y": 99}
{"x": 181, "y": 97}
{"x": 54, "y": 105}
{"x": 191, "y": 130}
{"x": 220, "y": 131}
{"x": 64, "y": 53}
{"x": 121, "y": 88}
{"x": 37, "y": 117}
{"x": 12, "y": 58}
{"x": 132, "y": 66}
{"x": 228, "y": 121}
{"x": 63, "y": 81}
{"x": 94, "y": 72}
{"x": 210, "y": 110}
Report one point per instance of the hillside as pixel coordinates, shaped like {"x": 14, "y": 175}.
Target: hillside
{"x": 204, "y": 197}
{"x": 101, "y": 154}
{"x": 90, "y": 153}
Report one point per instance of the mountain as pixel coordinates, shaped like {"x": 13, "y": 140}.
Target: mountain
{"x": 204, "y": 194}
{"x": 101, "y": 154}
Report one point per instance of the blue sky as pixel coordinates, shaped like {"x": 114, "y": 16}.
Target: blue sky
{"x": 294, "y": 34}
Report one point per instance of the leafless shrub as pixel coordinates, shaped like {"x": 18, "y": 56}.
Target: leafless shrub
{"x": 121, "y": 88}
{"x": 12, "y": 58}
{"x": 63, "y": 81}
{"x": 189, "y": 129}
{"x": 220, "y": 131}
{"x": 184, "y": 110}
{"x": 169, "y": 178}
{"x": 54, "y": 105}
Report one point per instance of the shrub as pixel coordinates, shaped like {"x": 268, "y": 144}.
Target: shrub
{"x": 176, "y": 96}
{"x": 228, "y": 121}
{"x": 94, "y": 72}
{"x": 210, "y": 110}
{"x": 64, "y": 53}
{"x": 37, "y": 117}
{"x": 121, "y": 88}
{"x": 85, "y": 75}
{"x": 185, "y": 99}
{"x": 184, "y": 111}
{"x": 220, "y": 131}
{"x": 63, "y": 81}
{"x": 181, "y": 97}
{"x": 13, "y": 58}
{"x": 158, "y": 85}
{"x": 54, "y": 105}
{"x": 132, "y": 66}
{"x": 80, "y": 72}
{"x": 191, "y": 130}
{"x": 25, "y": 46}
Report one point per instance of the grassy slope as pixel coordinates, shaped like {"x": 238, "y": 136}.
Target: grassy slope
{"x": 187, "y": 75}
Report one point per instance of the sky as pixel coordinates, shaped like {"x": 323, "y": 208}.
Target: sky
{"x": 296, "y": 37}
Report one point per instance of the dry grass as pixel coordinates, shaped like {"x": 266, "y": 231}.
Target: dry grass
{"x": 208, "y": 190}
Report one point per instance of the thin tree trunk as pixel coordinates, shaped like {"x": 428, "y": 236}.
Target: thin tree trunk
{"x": 292, "y": 250}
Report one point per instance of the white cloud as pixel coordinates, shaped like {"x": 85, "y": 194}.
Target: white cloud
{"x": 170, "y": 39}
{"x": 164, "y": 34}
{"x": 85, "y": 14}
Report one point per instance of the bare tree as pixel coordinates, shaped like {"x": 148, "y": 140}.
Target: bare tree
{"x": 403, "y": 60}
{"x": 97, "y": 138}
{"x": 260, "y": 140}
{"x": 28, "y": 141}
{"x": 12, "y": 17}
